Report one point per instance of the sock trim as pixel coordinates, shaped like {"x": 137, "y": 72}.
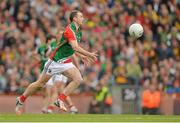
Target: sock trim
{"x": 22, "y": 98}
{"x": 62, "y": 97}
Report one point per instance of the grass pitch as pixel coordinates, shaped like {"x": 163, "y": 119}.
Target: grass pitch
{"x": 86, "y": 118}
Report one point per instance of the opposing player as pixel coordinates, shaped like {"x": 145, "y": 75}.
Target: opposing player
{"x": 60, "y": 62}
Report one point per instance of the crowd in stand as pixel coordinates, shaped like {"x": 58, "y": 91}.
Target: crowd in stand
{"x": 154, "y": 59}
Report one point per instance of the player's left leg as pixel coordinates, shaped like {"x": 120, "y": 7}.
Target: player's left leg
{"x": 72, "y": 107}
{"x": 69, "y": 101}
{"x": 75, "y": 75}
{"x": 60, "y": 83}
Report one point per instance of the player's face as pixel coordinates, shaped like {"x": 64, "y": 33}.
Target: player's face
{"x": 80, "y": 18}
{"x": 50, "y": 40}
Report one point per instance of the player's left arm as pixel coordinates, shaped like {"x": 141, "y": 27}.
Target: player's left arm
{"x": 80, "y": 55}
{"x": 71, "y": 38}
{"x": 86, "y": 60}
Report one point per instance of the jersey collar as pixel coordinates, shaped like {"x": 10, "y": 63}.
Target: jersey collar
{"x": 74, "y": 27}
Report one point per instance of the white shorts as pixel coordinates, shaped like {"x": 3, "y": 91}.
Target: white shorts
{"x": 57, "y": 78}
{"x": 51, "y": 67}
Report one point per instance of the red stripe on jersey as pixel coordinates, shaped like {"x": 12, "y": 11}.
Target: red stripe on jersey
{"x": 68, "y": 60}
{"x": 69, "y": 34}
{"x": 53, "y": 53}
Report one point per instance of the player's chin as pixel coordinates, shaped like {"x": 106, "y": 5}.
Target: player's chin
{"x": 81, "y": 23}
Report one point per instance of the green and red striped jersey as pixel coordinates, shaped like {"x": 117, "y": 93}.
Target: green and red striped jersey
{"x": 63, "y": 49}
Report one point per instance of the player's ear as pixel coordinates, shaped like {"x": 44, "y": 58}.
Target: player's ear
{"x": 75, "y": 17}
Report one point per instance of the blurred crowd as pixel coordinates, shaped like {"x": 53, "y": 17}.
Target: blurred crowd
{"x": 154, "y": 59}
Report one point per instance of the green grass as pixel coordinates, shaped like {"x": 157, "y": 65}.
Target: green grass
{"x": 86, "y": 118}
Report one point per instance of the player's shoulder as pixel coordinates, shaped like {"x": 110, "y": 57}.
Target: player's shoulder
{"x": 68, "y": 28}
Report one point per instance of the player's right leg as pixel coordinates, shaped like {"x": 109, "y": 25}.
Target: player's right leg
{"x": 31, "y": 89}
{"x": 35, "y": 86}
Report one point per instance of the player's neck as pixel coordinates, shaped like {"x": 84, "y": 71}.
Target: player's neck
{"x": 76, "y": 25}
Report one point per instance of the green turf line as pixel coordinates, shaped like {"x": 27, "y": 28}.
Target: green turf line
{"x": 86, "y": 118}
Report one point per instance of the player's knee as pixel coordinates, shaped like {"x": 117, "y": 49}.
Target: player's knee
{"x": 40, "y": 85}
{"x": 79, "y": 80}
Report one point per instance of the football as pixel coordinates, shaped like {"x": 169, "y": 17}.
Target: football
{"x": 135, "y": 30}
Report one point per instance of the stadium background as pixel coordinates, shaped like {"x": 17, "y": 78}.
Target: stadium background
{"x": 126, "y": 68}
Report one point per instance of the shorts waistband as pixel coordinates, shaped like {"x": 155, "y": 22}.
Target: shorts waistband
{"x": 68, "y": 60}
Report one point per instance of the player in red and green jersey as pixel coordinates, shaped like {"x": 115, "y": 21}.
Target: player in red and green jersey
{"x": 51, "y": 88}
{"x": 60, "y": 62}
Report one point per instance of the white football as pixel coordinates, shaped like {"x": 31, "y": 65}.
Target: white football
{"x": 136, "y": 30}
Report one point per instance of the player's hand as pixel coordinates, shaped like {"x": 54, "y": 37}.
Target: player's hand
{"x": 87, "y": 61}
{"x": 93, "y": 56}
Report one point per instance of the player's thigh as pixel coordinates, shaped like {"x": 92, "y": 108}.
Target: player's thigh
{"x": 44, "y": 78}
{"x": 73, "y": 73}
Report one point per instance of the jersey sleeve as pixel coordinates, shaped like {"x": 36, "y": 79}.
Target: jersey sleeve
{"x": 69, "y": 34}
{"x": 38, "y": 50}
{"x": 53, "y": 45}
